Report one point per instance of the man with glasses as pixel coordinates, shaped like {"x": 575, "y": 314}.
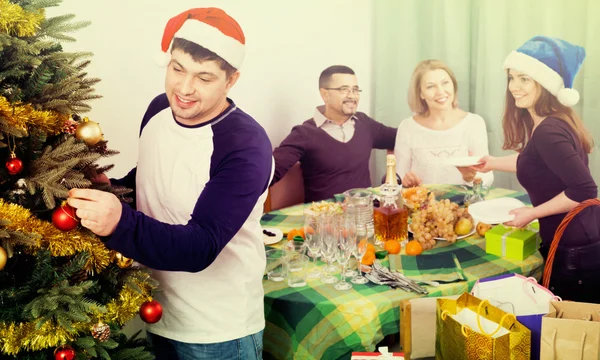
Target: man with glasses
{"x": 334, "y": 146}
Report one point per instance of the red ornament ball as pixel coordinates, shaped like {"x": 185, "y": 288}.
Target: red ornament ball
{"x": 64, "y": 353}
{"x": 64, "y": 218}
{"x": 14, "y": 165}
{"x": 151, "y": 311}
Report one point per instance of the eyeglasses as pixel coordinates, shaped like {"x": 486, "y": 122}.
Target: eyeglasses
{"x": 346, "y": 90}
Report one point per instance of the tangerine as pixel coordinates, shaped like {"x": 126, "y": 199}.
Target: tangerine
{"x": 413, "y": 248}
{"x": 392, "y": 247}
{"x": 370, "y": 247}
{"x": 292, "y": 233}
{"x": 368, "y": 258}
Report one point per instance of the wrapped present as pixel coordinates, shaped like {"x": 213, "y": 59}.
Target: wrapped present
{"x": 383, "y": 354}
{"x": 512, "y": 243}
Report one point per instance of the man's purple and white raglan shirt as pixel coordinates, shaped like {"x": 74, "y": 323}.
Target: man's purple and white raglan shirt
{"x": 199, "y": 195}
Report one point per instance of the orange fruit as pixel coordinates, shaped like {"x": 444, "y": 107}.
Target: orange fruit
{"x": 368, "y": 258}
{"x": 301, "y": 232}
{"x": 291, "y": 234}
{"x": 370, "y": 246}
{"x": 413, "y": 248}
{"x": 309, "y": 230}
{"x": 392, "y": 247}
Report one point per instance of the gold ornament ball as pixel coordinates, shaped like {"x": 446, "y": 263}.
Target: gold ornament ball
{"x": 122, "y": 261}
{"x": 90, "y": 132}
{"x": 3, "y": 258}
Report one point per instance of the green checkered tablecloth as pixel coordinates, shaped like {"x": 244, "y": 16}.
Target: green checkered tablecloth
{"x": 319, "y": 322}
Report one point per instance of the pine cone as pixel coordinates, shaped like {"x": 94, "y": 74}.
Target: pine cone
{"x": 101, "y": 331}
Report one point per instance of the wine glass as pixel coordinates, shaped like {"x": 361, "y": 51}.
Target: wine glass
{"x": 312, "y": 241}
{"x": 359, "y": 251}
{"x": 343, "y": 252}
{"x": 328, "y": 245}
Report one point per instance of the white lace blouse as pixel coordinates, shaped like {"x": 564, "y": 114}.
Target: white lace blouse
{"x": 423, "y": 150}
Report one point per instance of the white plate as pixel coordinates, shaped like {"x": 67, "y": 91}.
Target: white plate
{"x": 269, "y": 240}
{"x": 494, "y": 211}
{"x": 463, "y": 161}
{"x": 442, "y": 239}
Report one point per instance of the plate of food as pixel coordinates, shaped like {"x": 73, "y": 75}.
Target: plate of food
{"x": 443, "y": 239}
{"x": 464, "y": 161}
{"x": 271, "y": 236}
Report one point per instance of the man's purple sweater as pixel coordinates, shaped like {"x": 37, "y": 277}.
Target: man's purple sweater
{"x": 329, "y": 166}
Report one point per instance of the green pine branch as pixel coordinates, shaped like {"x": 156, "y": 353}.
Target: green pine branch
{"x": 64, "y": 304}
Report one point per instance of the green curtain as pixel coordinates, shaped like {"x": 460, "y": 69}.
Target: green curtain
{"x": 473, "y": 37}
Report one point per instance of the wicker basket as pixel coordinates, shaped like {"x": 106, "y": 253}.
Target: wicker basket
{"x": 558, "y": 235}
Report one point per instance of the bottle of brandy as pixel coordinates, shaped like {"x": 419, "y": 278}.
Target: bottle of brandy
{"x": 391, "y": 217}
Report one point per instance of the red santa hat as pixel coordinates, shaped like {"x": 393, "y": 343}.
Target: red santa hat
{"x": 210, "y": 28}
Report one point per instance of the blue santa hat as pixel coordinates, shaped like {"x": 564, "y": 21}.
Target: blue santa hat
{"x": 552, "y": 62}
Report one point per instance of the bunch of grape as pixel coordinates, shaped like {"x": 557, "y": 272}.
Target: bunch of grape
{"x": 436, "y": 219}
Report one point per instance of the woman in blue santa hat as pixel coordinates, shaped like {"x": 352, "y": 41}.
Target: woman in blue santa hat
{"x": 551, "y": 160}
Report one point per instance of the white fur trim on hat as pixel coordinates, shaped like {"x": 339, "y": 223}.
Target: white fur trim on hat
{"x": 209, "y": 37}
{"x": 568, "y": 97}
{"x": 162, "y": 59}
{"x": 535, "y": 69}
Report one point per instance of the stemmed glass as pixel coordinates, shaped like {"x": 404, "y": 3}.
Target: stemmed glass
{"x": 328, "y": 235}
{"x": 346, "y": 240}
{"x": 359, "y": 251}
{"x": 312, "y": 241}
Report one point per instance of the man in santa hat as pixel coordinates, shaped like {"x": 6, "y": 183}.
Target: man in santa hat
{"x": 200, "y": 183}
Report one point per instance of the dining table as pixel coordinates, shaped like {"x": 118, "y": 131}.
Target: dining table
{"x": 317, "y": 321}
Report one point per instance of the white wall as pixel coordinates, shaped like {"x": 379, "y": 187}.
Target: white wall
{"x": 288, "y": 44}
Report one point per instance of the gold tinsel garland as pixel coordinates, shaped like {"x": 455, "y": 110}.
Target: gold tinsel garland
{"x": 17, "y": 337}
{"x": 60, "y": 243}
{"x": 21, "y": 116}
{"x": 15, "y": 21}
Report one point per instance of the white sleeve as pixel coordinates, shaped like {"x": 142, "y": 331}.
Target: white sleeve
{"x": 478, "y": 146}
{"x": 402, "y": 150}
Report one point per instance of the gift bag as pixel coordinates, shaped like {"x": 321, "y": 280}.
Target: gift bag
{"x": 571, "y": 331}
{"x": 470, "y": 328}
{"x": 521, "y": 296}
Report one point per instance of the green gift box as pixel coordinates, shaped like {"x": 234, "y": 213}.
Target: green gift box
{"x": 512, "y": 243}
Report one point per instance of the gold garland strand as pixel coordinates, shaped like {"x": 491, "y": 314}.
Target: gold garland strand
{"x": 58, "y": 242}
{"x": 21, "y": 116}
{"x": 15, "y": 21}
{"x": 17, "y": 337}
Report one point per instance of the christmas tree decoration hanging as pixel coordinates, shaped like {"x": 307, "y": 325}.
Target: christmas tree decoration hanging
{"x": 101, "y": 331}
{"x": 14, "y": 165}
{"x": 122, "y": 261}
{"x": 151, "y": 311}
{"x": 89, "y": 131}
{"x": 64, "y": 353}
{"x": 64, "y": 218}
{"x": 3, "y": 258}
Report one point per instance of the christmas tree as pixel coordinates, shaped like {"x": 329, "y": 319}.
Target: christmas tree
{"x": 63, "y": 294}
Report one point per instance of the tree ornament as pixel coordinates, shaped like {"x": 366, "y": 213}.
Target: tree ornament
{"x": 14, "y": 165}
{"x": 122, "y": 261}
{"x": 70, "y": 126}
{"x": 64, "y": 353}
{"x": 101, "y": 331}
{"x": 64, "y": 218}
{"x": 89, "y": 131}
{"x": 151, "y": 311}
{"x": 3, "y": 258}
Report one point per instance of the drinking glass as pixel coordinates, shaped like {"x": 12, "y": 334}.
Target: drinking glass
{"x": 312, "y": 241}
{"x": 276, "y": 264}
{"x": 359, "y": 251}
{"x": 343, "y": 252}
{"x": 328, "y": 245}
{"x": 297, "y": 271}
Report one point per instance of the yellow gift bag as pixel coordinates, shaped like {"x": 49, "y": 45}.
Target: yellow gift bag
{"x": 470, "y": 328}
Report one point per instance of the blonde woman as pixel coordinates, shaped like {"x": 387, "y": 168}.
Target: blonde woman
{"x": 437, "y": 131}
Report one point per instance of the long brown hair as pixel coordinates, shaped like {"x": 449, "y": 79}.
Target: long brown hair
{"x": 518, "y": 124}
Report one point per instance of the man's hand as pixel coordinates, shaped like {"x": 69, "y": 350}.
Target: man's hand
{"x": 410, "y": 179}
{"x": 99, "y": 211}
